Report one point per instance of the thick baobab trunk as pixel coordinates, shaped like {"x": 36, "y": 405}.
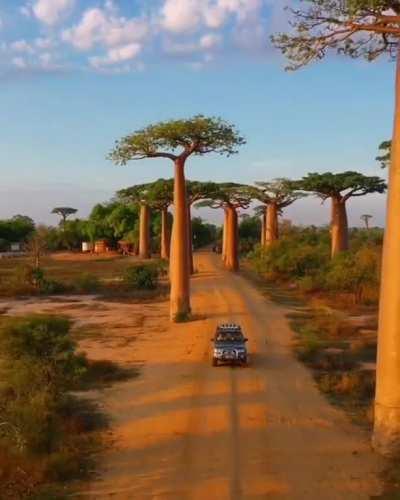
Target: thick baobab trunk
{"x": 271, "y": 224}
{"x": 165, "y": 236}
{"x": 339, "y": 227}
{"x": 232, "y": 241}
{"x": 263, "y": 227}
{"x": 179, "y": 261}
{"x": 190, "y": 240}
{"x": 386, "y": 438}
{"x": 144, "y": 234}
{"x": 224, "y": 235}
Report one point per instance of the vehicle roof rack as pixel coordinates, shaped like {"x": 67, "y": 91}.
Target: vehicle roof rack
{"x": 229, "y": 326}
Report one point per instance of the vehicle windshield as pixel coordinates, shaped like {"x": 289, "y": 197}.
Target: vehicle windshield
{"x": 229, "y": 337}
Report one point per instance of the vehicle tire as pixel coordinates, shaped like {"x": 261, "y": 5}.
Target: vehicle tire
{"x": 215, "y": 362}
{"x": 245, "y": 362}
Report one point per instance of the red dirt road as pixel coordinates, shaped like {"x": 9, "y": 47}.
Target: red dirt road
{"x": 186, "y": 430}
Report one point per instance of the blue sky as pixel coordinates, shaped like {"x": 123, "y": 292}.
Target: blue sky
{"x": 77, "y": 74}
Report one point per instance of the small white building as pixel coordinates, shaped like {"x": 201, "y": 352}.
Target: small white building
{"x": 16, "y": 247}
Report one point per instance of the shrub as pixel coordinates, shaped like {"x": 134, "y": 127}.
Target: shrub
{"x": 32, "y": 280}
{"x": 39, "y": 365}
{"x": 290, "y": 259}
{"x": 87, "y": 283}
{"x": 142, "y": 277}
{"x": 357, "y": 273}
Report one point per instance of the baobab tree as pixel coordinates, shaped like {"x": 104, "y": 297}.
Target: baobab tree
{"x": 230, "y": 197}
{"x": 64, "y": 212}
{"x": 365, "y": 28}
{"x": 339, "y": 188}
{"x": 140, "y": 196}
{"x": 160, "y": 198}
{"x": 177, "y": 140}
{"x": 275, "y": 195}
{"x": 366, "y": 218}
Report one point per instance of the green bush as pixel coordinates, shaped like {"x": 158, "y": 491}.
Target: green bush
{"x": 290, "y": 258}
{"x": 357, "y": 273}
{"x": 142, "y": 277}
{"x": 87, "y": 283}
{"x": 39, "y": 366}
{"x": 29, "y": 280}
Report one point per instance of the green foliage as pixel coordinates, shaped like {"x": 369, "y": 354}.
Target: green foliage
{"x": 249, "y": 233}
{"x": 250, "y": 228}
{"x": 343, "y": 185}
{"x": 16, "y": 229}
{"x": 203, "y": 233}
{"x": 290, "y": 258}
{"x": 302, "y": 256}
{"x": 227, "y": 194}
{"x": 87, "y": 283}
{"x": 356, "y": 272}
{"x": 357, "y": 28}
{"x": 385, "y": 149}
{"x": 64, "y": 212}
{"x": 198, "y": 135}
{"x": 142, "y": 277}
{"x": 279, "y": 192}
{"x": 39, "y": 365}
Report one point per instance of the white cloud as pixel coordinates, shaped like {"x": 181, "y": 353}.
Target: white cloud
{"x": 44, "y": 43}
{"x": 19, "y": 62}
{"x": 116, "y": 56}
{"x": 207, "y": 42}
{"x": 21, "y": 46}
{"x": 183, "y": 16}
{"x": 210, "y": 41}
{"x": 52, "y": 11}
{"x": 180, "y": 16}
{"x": 104, "y": 27}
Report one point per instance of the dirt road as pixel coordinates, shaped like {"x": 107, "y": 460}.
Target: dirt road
{"x": 185, "y": 430}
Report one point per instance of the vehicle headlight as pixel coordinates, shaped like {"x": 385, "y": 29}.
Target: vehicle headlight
{"x": 218, "y": 352}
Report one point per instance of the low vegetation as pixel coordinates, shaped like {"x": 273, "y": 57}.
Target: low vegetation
{"x": 47, "y": 433}
{"x": 301, "y": 259}
{"x": 114, "y": 275}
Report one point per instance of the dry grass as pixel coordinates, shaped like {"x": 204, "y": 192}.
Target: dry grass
{"x": 76, "y": 273}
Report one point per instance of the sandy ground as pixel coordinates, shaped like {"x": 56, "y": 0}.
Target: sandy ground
{"x": 186, "y": 430}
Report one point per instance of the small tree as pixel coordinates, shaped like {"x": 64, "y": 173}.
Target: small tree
{"x": 276, "y": 195}
{"x": 37, "y": 245}
{"x": 177, "y": 140}
{"x": 366, "y": 218}
{"x": 385, "y": 149}
{"x": 64, "y": 212}
{"x": 339, "y": 188}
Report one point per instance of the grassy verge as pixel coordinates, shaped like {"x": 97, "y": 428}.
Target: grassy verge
{"x": 122, "y": 278}
{"x": 49, "y": 429}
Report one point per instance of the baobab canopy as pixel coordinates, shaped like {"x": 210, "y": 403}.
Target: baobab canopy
{"x": 198, "y": 135}
{"x": 357, "y": 28}
{"x": 344, "y": 185}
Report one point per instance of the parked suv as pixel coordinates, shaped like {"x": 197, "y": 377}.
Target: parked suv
{"x": 229, "y": 345}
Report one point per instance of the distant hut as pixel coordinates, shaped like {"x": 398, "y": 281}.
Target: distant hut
{"x": 101, "y": 246}
{"x": 16, "y": 247}
{"x": 87, "y": 247}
